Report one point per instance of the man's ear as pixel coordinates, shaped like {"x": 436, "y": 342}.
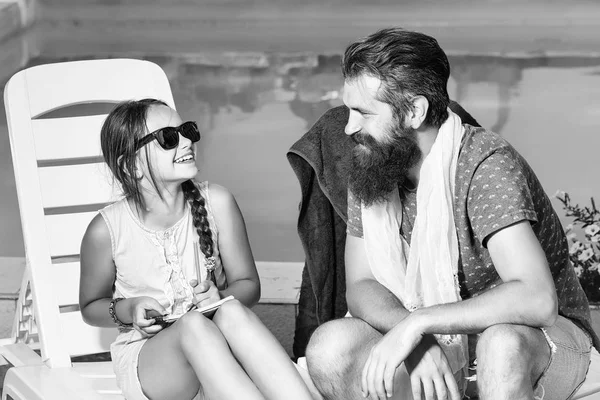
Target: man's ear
{"x": 419, "y": 112}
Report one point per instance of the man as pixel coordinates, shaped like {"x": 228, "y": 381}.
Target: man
{"x": 449, "y": 234}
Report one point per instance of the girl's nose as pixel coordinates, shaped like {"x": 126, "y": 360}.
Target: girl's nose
{"x": 183, "y": 141}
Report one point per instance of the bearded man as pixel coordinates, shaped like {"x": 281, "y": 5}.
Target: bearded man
{"x": 454, "y": 255}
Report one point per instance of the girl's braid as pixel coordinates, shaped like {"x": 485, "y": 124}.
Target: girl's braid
{"x": 200, "y": 220}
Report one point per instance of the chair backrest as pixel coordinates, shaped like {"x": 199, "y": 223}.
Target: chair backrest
{"x": 62, "y": 181}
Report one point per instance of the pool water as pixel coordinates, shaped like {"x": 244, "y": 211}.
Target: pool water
{"x": 252, "y": 107}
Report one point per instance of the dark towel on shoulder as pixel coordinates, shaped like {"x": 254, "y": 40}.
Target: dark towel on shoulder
{"x": 318, "y": 159}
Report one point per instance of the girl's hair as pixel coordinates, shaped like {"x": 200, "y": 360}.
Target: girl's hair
{"x": 123, "y": 126}
{"x": 199, "y": 215}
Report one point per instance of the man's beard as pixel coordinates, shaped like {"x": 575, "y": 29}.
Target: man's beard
{"x": 381, "y": 167}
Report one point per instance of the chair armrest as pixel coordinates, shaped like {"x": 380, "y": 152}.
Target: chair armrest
{"x": 19, "y": 354}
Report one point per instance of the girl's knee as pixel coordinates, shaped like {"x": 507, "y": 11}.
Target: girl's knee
{"x": 232, "y": 315}
{"x": 194, "y": 326}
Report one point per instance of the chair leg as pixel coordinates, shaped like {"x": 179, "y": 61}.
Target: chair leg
{"x": 15, "y": 389}
{"x": 9, "y": 394}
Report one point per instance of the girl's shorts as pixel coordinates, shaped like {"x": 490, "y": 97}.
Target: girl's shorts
{"x": 126, "y": 369}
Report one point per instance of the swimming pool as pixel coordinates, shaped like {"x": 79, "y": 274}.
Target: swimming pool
{"x": 251, "y": 107}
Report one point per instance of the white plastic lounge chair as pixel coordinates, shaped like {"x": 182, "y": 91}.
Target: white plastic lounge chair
{"x": 61, "y": 183}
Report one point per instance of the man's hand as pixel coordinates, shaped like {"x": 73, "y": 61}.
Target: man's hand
{"x": 425, "y": 361}
{"x": 205, "y": 293}
{"x": 143, "y": 309}
{"x": 429, "y": 370}
{"x": 386, "y": 356}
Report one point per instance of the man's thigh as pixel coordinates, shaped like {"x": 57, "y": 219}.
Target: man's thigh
{"x": 570, "y": 351}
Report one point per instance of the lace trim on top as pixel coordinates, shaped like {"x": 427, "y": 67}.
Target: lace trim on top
{"x": 176, "y": 286}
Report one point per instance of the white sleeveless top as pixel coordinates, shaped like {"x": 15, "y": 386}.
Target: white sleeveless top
{"x": 159, "y": 264}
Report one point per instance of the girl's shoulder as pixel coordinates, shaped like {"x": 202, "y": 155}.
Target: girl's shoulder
{"x": 221, "y": 200}
{"x": 214, "y": 193}
{"x": 97, "y": 232}
{"x": 115, "y": 207}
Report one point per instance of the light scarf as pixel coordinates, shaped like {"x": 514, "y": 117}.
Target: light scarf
{"x": 424, "y": 273}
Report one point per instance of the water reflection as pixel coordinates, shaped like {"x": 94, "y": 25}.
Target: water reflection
{"x": 252, "y": 107}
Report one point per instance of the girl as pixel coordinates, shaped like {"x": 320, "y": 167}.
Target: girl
{"x": 138, "y": 261}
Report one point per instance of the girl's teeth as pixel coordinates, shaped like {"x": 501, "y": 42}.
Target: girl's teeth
{"x": 182, "y": 159}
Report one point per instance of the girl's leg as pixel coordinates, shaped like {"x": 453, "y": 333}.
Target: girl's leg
{"x": 259, "y": 352}
{"x": 192, "y": 352}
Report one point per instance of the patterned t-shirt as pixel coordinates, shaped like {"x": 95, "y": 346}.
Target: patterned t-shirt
{"x": 495, "y": 188}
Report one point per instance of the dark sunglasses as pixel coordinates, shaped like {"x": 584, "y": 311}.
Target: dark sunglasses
{"x": 168, "y": 137}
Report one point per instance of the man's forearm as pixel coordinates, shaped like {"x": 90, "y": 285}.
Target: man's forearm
{"x": 373, "y": 303}
{"x": 508, "y": 303}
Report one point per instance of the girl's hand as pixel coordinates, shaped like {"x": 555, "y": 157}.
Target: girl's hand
{"x": 205, "y": 293}
{"x": 142, "y": 309}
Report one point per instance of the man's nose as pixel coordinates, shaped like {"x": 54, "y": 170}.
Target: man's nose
{"x": 352, "y": 126}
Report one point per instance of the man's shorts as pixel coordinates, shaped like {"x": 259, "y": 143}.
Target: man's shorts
{"x": 570, "y": 351}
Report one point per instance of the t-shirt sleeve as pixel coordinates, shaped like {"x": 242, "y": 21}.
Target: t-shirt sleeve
{"x": 499, "y": 195}
{"x": 354, "y": 226}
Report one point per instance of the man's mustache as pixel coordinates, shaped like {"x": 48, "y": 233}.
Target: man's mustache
{"x": 364, "y": 139}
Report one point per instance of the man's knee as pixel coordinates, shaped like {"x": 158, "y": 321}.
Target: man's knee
{"x": 327, "y": 341}
{"x": 510, "y": 356}
{"x": 327, "y": 350}
{"x": 502, "y": 342}
{"x": 334, "y": 351}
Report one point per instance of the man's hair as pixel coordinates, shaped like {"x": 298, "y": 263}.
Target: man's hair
{"x": 408, "y": 64}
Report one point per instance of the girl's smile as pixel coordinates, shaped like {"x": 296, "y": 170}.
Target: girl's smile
{"x": 186, "y": 158}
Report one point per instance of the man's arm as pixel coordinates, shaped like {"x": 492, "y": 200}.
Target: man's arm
{"x": 526, "y": 296}
{"x": 368, "y": 299}
{"x": 372, "y": 302}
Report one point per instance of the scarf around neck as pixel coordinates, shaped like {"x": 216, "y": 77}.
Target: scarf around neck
{"x": 424, "y": 273}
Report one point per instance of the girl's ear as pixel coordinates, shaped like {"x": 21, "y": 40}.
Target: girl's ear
{"x": 138, "y": 174}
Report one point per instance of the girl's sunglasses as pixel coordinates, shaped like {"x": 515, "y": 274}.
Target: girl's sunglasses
{"x": 168, "y": 137}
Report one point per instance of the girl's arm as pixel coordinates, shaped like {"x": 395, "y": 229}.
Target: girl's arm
{"x": 97, "y": 276}
{"x": 236, "y": 255}
{"x": 96, "y": 282}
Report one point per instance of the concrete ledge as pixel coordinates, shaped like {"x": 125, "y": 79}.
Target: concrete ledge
{"x": 280, "y": 282}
